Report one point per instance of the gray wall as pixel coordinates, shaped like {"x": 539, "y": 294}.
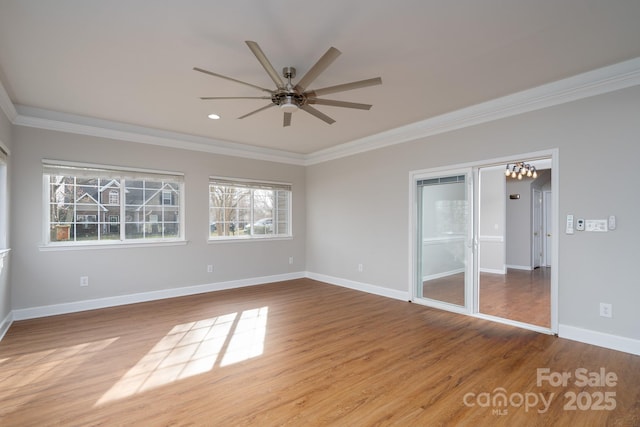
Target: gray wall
{"x": 492, "y": 220}
{"x": 41, "y": 278}
{"x": 5, "y": 285}
{"x": 518, "y": 239}
{"x": 358, "y": 209}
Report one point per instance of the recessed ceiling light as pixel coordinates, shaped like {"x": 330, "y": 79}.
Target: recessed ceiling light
{"x": 213, "y": 116}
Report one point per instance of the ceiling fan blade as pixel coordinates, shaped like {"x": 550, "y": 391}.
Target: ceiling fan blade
{"x": 232, "y": 79}
{"x": 344, "y": 87}
{"x": 322, "y": 64}
{"x": 235, "y": 97}
{"x": 287, "y": 120}
{"x": 335, "y": 103}
{"x": 262, "y": 58}
{"x": 309, "y": 109}
{"x": 257, "y": 111}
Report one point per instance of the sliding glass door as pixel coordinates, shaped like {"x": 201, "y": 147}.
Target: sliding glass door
{"x": 472, "y": 232}
{"x": 444, "y": 240}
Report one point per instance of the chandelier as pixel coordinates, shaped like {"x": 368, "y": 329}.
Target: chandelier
{"x": 520, "y": 170}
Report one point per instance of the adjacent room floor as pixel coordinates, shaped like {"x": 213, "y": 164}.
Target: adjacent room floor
{"x": 519, "y": 295}
{"x": 303, "y": 353}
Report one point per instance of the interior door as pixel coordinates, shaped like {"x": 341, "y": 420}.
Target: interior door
{"x": 445, "y": 240}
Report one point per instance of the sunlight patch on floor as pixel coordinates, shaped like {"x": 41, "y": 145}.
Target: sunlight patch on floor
{"x": 194, "y": 348}
{"x": 248, "y": 338}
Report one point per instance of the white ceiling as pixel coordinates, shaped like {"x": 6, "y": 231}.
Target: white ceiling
{"x": 131, "y": 61}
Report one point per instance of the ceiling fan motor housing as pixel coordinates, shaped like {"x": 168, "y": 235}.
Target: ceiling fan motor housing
{"x": 288, "y": 101}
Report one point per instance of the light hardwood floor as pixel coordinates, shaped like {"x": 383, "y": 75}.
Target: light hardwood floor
{"x": 300, "y": 353}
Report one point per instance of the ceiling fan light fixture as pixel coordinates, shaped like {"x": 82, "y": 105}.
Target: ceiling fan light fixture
{"x": 289, "y": 107}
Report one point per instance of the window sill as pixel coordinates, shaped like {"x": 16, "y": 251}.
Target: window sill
{"x": 247, "y": 239}
{"x": 114, "y": 245}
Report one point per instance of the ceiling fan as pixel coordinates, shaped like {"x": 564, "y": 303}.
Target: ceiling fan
{"x": 291, "y": 97}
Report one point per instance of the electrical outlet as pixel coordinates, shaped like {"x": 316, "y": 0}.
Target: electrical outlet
{"x": 290, "y": 260}
{"x": 209, "y": 268}
{"x": 84, "y": 280}
{"x": 606, "y": 310}
{"x": 360, "y": 268}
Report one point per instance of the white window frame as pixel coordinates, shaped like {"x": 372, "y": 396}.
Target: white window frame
{"x": 253, "y": 185}
{"x": 4, "y": 201}
{"x": 122, "y": 174}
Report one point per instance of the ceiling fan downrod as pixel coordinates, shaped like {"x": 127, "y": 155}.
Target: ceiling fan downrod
{"x": 289, "y": 100}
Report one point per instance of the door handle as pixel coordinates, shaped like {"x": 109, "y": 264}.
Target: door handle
{"x": 548, "y": 234}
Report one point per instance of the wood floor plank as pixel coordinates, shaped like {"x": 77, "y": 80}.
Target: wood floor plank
{"x": 306, "y": 353}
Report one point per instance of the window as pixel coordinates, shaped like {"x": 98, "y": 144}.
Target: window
{"x": 94, "y": 204}
{"x": 247, "y": 209}
{"x": 4, "y": 202}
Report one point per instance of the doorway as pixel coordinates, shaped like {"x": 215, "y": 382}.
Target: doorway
{"x": 469, "y": 255}
{"x": 514, "y": 282}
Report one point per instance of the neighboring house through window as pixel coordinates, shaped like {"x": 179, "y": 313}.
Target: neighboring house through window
{"x": 114, "y": 197}
{"x": 95, "y": 204}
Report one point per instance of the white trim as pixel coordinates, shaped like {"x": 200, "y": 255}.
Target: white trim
{"x": 520, "y": 267}
{"x": 443, "y": 274}
{"x": 109, "y": 244}
{"x": 596, "y": 82}
{"x": 515, "y": 323}
{"x": 601, "y": 339}
{"x": 613, "y": 342}
{"x": 360, "y": 286}
{"x": 110, "y": 169}
{"x": 491, "y": 239}
{"x": 52, "y": 120}
{"x": 441, "y": 305}
{"x": 6, "y": 324}
{"x": 493, "y": 270}
{"x": 72, "y": 307}
{"x": 432, "y": 241}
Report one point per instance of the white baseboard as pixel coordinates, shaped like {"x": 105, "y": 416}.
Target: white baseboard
{"x": 520, "y": 267}
{"x": 613, "y": 342}
{"x": 359, "y": 286}
{"x": 72, "y": 307}
{"x": 441, "y": 275}
{"x": 493, "y": 270}
{"x": 5, "y": 325}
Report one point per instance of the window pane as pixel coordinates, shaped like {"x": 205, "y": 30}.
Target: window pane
{"x": 244, "y": 212}
{"x": 152, "y": 210}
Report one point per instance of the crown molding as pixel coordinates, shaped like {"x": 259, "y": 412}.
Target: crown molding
{"x": 603, "y": 80}
{"x": 596, "y": 82}
{"x": 52, "y": 120}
